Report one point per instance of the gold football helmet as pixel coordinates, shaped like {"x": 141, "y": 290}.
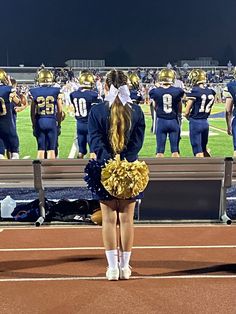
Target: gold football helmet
{"x": 234, "y": 72}
{"x": 44, "y": 76}
{"x": 166, "y": 76}
{"x": 3, "y": 77}
{"x": 197, "y": 76}
{"x": 134, "y": 80}
{"x": 86, "y": 80}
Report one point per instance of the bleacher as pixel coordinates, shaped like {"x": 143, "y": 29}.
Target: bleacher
{"x": 26, "y": 75}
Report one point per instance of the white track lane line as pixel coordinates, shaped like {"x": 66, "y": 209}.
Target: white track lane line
{"x": 160, "y": 247}
{"x": 169, "y": 225}
{"x": 132, "y": 277}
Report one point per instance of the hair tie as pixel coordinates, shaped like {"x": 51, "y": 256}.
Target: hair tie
{"x": 122, "y": 93}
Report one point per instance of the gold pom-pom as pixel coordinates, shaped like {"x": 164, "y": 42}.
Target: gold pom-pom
{"x": 123, "y": 179}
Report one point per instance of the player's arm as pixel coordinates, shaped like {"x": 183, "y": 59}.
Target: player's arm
{"x": 228, "y": 114}
{"x": 23, "y": 103}
{"x": 180, "y": 108}
{"x": 32, "y": 112}
{"x": 229, "y": 103}
{"x": 59, "y": 109}
{"x": 189, "y": 105}
{"x": 15, "y": 98}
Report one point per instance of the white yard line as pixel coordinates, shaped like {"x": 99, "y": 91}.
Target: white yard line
{"x": 72, "y": 151}
{"x": 217, "y": 129}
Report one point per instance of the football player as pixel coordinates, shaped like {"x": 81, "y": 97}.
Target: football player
{"x": 230, "y": 106}
{"x": 82, "y": 100}
{"x": 167, "y": 106}
{"x": 200, "y": 100}
{"x": 8, "y": 99}
{"x": 135, "y": 93}
{"x": 46, "y": 113}
{"x": 15, "y": 109}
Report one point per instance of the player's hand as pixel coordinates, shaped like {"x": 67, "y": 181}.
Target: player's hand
{"x": 34, "y": 131}
{"x": 92, "y": 156}
{"x": 229, "y": 131}
{"x": 186, "y": 116}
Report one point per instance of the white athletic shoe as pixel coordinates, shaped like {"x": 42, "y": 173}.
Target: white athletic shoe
{"x": 112, "y": 273}
{"x": 125, "y": 272}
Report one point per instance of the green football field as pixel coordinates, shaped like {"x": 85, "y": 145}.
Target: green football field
{"x": 220, "y": 143}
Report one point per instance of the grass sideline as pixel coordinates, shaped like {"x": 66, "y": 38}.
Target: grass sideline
{"x": 220, "y": 144}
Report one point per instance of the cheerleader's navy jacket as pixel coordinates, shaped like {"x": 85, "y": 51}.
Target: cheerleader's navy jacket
{"x": 98, "y": 129}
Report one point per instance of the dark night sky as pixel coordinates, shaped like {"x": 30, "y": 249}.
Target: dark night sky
{"x": 124, "y": 32}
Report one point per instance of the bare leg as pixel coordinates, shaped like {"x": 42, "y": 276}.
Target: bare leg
{"x": 109, "y": 222}
{"x": 126, "y": 218}
{"x": 109, "y": 233}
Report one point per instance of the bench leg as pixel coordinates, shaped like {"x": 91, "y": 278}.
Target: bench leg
{"x": 137, "y": 209}
{"x": 41, "y": 218}
{"x": 223, "y": 215}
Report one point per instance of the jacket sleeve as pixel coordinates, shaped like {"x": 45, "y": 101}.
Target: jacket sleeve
{"x": 98, "y": 139}
{"x": 136, "y": 139}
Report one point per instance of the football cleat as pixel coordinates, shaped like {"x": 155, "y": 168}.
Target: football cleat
{"x": 166, "y": 76}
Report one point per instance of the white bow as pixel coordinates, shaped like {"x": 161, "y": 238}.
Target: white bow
{"x": 122, "y": 92}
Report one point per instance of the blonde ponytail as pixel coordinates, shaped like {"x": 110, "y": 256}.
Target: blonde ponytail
{"x": 120, "y": 123}
{"x": 120, "y": 116}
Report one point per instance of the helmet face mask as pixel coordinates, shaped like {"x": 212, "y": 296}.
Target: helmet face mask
{"x": 167, "y": 76}
{"x": 45, "y": 77}
{"x": 197, "y": 76}
{"x": 86, "y": 80}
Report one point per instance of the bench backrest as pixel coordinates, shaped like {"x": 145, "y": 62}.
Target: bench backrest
{"x": 70, "y": 172}
{"x": 16, "y": 173}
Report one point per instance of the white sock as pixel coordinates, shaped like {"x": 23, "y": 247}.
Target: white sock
{"x": 2, "y": 156}
{"x": 126, "y": 259}
{"x": 112, "y": 258}
{"x": 121, "y": 259}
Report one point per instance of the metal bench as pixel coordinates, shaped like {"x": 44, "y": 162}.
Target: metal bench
{"x": 179, "y": 188}
{"x": 192, "y": 189}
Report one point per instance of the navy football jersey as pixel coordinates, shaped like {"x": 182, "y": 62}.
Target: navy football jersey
{"x": 45, "y": 101}
{"x": 136, "y": 96}
{"x": 82, "y": 101}
{"x": 231, "y": 89}
{"x": 166, "y": 101}
{"x": 5, "y": 103}
{"x": 203, "y": 100}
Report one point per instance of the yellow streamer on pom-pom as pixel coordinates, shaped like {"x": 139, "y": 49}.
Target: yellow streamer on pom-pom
{"x": 124, "y": 179}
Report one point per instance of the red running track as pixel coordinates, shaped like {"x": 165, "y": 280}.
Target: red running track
{"x": 176, "y": 269}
